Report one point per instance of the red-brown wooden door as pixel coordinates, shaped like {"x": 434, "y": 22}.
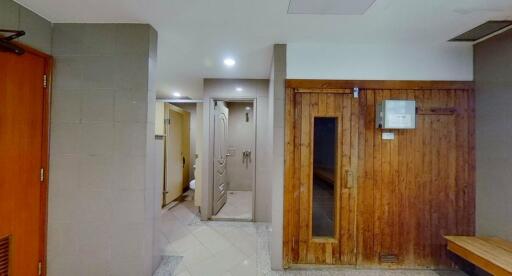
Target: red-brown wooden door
{"x": 23, "y": 153}
{"x": 320, "y": 188}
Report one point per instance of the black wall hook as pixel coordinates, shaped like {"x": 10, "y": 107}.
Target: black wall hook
{"x": 7, "y": 46}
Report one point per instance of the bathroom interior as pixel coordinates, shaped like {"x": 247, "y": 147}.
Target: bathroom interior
{"x": 240, "y": 158}
{"x": 179, "y": 146}
{"x": 177, "y": 158}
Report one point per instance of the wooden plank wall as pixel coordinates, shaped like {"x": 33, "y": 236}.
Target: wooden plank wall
{"x": 416, "y": 188}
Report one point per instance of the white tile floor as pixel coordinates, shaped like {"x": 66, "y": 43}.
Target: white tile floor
{"x": 238, "y": 206}
{"x": 235, "y": 248}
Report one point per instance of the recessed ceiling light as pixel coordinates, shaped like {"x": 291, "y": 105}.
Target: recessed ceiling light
{"x": 229, "y": 62}
{"x": 247, "y": 108}
{"x": 239, "y": 89}
{"x": 176, "y": 94}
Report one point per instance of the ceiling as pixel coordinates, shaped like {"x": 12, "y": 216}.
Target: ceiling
{"x": 196, "y": 35}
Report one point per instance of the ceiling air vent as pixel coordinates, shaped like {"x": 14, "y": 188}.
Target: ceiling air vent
{"x": 324, "y": 7}
{"x": 4, "y": 256}
{"x": 482, "y": 31}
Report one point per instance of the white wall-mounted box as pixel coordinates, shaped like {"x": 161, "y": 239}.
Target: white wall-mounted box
{"x": 396, "y": 114}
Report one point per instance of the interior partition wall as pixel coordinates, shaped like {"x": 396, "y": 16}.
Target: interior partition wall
{"x": 104, "y": 204}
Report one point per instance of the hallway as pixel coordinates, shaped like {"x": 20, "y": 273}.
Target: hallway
{"x": 236, "y": 248}
{"x": 214, "y": 247}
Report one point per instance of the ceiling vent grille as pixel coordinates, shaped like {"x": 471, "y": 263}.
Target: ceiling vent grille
{"x": 389, "y": 258}
{"x": 4, "y": 256}
{"x": 483, "y": 30}
{"x": 329, "y": 7}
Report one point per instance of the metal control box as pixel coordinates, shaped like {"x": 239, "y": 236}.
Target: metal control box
{"x": 396, "y": 114}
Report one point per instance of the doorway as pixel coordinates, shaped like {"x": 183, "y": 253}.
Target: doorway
{"x": 178, "y": 124}
{"x": 320, "y": 200}
{"x": 234, "y": 146}
{"x": 24, "y": 121}
{"x": 176, "y": 153}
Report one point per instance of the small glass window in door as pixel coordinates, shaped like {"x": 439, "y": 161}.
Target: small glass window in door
{"x": 324, "y": 176}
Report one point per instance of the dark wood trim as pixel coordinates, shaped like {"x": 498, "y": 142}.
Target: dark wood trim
{"x": 306, "y": 85}
{"x": 323, "y": 90}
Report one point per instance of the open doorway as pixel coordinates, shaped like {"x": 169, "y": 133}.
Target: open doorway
{"x": 178, "y": 126}
{"x": 234, "y": 160}
{"x": 177, "y": 152}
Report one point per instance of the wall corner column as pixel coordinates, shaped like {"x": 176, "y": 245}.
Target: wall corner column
{"x": 276, "y": 133}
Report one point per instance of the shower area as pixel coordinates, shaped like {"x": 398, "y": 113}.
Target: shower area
{"x": 235, "y": 161}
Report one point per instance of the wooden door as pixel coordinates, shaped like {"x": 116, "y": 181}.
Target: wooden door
{"x": 173, "y": 187}
{"x": 24, "y": 103}
{"x": 320, "y": 178}
{"x": 220, "y": 152}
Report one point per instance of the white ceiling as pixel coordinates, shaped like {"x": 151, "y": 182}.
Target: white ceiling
{"x": 195, "y": 35}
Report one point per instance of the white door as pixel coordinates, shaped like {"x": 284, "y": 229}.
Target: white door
{"x": 220, "y": 156}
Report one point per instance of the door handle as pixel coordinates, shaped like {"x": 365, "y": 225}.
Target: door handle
{"x": 349, "y": 178}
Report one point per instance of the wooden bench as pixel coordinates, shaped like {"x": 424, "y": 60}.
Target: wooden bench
{"x": 493, "y": 255}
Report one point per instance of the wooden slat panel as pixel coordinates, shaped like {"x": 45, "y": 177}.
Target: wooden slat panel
{"x": 411, "y": 190}
{"x": 288, "y": 221}
{"x": 354, "y": 167}
{"x": 377, "y": 182}
{"x": 346, "y": 238}
{"x": 297, "y": 180}
{"x": 410, "y": 193}
{"x": 329, "y": 86}
{"x": 305, "y": 167}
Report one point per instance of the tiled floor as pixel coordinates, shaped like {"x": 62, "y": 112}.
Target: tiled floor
{"x": 238, "y": 206}
{"x": 234, "y": 248}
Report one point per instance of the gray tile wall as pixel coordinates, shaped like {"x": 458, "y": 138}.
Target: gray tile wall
{"x": 276, "y": 133}
{"x": 38, "y": 30}
{"x": 493, "y": 80}
{"x": 102, "y": 200}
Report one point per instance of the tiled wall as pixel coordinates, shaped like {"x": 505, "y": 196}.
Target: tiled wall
{"x": 240, "y": 138}
{"x": 276, "y": 132}
{"x": 493, "y": 59}
{"x": 103, "y": 203}
{"x": 38, "y": 30}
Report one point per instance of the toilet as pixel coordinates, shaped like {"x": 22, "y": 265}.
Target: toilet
{"x": 192, "y": 184}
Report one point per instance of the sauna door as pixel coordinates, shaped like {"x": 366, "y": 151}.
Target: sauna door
{"x": 320, "y": 204}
